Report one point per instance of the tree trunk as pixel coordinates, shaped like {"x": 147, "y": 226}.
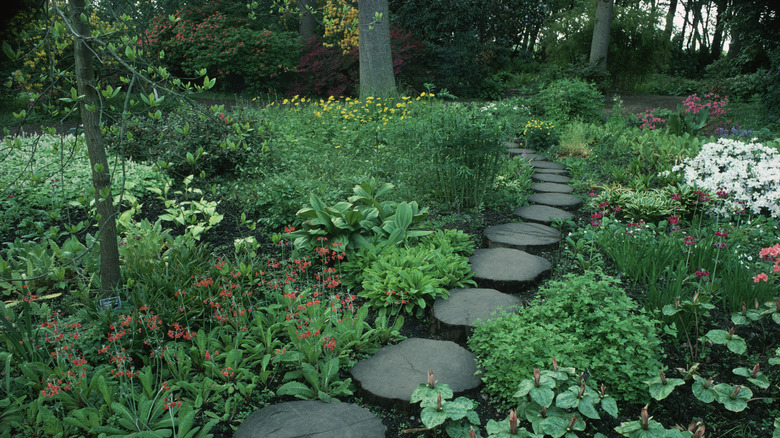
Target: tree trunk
{"x": 670, "y": 20}
{"x": 717, "y": 39}
{"x": 101, "y": 177}
{"x": 308, "y": 21}
{"x": 376, "y": 59}
{"x": 599, "y": 45}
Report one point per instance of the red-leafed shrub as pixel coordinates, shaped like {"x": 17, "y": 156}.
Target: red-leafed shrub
{"x": 327, "y": 71}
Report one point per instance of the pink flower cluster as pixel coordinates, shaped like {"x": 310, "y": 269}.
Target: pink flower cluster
{"x": 771, "y": 254}
{"x": 717, "y": 107}
{"x": 650, "y": 121}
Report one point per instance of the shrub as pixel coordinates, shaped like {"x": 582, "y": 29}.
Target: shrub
{"x": 325, "y": 71}
{"x": 218, "y": 37}
{"x": 585, "y": 320}
{"x": 211, "y": 139}
{"x": 746, "y": 172}
{"x": 568, "y": 99}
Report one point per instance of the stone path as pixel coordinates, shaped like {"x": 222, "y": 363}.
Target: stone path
{"x": 505, "y": 268}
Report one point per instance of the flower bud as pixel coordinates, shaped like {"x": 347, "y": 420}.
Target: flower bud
{"x": 709, "y": 382}
{"x": 555, "y": 364}
{"x": 537, "y": 376}
{"x": 438, "y": 402}
{"x": 513, "y": 422}
{"x": 744, "y": 308}
{"x": 430, "y": 378}
{"x": 731, "y": 332}
{"x": 663, "y": 378}
{"x": 777, "y": 304}
{"x": 736, "y": 391}
{"x": 582, "y": 391}
{"x": 644, "y": 417}
{"x": 695, "y": 296}
{"x": 543, "y": 412}
{"x": 754, "y": 372}
{"x": 677, "y": 302}
{"x": 472, "y": 433}
{"x": 699, "y": 432}
{"x": 755, "y": 303}
{"x": 603, "y": 391}
{"x": 572, "y": 422}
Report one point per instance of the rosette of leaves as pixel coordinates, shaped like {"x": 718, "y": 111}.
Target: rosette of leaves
{"x": 359, "y": 221}
{"x": 438, "y": 408}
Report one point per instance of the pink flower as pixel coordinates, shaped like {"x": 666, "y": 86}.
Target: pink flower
{"x": 689, "y": 240}
{"x": 760, "y": 277}
{"x": 702, "y": 273}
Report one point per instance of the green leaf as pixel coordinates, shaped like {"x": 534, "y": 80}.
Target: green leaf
{"x": 610, "y": 406}
{"x": 700, "y": 391}
{"x": 554, "y": 426}
{"x": 587, "y": 409}
{"x": 296, "y": 389}
{"x": 567, "y": 400}
{"x": 524, "y": 387}
{"x": 542, "y": 395}
{"x": 431, "y": 417}
{"x": 660, "y": 391}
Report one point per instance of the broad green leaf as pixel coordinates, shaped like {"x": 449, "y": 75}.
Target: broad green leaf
{"x": 707, "y": 395}
{"x": 431, "y": 417}
{"x": 587, "y": 409}
{"x": 610, "y": 406}
{"x": 542, "y": 395}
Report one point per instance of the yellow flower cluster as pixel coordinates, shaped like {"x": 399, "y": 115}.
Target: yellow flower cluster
{"x": 538, "y": 126}
{"x": 340, "y": 18}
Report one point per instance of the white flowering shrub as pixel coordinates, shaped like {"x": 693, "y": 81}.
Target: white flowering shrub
{"x": 748, "y": 172}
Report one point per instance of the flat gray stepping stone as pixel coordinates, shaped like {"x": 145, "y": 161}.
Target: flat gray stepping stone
{"x": 547, "y": 165}
{"x": 532, "y": 157}
{"x": 311, "y": 419}
{"x": 389, "y": 377}
{"x": 519, "y": 150}
{"x": 507, "y": 270}
{"x": 550, "y": 177}
{"x": 511, "y": 144}
{"x": 525, "y": 236}
{"x": 454, "y": 318}
{"x": 560, "y": 200}
{"x": 551, "y": 171}
{"x": 542, "y": 214}
{"x": 551, "y": 188}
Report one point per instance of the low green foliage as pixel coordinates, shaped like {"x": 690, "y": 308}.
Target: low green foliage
{"x": 411, "y": 278}
{"x": 359, "y": 221}
{"x": 585, "y": 320}
{"x": 438, "y": 408}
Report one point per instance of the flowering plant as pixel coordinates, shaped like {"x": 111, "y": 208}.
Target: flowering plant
{"x": 539, "y": 134}
{"x": 749, "y": 173}
{"x": 770, "y": 254}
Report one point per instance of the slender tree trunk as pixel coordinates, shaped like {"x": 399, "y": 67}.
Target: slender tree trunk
{"x": 376, "y": 59}
{"x": 101, "y": 177}
{"x": 308, "y": 21}
{"x": 599, "y": 45}
{"x": 717, "y": 39}
{"x": 670, "y": 20}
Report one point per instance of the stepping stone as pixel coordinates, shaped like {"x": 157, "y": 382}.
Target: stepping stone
{"x": 560, "y": 200}
{"x": 525, "y": 236}
{"x": 511, "y": 144}
{"x": 454, "y": 318}
{"x": 517, "y": 150}
{"x": 551, "y": 188}
{"x": 551, "y": 171}
{"x": 532, "y": 157}
{"x": 311, "y": 419}
{"x": 549, "y": 177}
{"x": 542, "y": 214}
{"x": 507, "y": 270}
{"x": 547, "y": 165}
{"x": 389, "y": 377}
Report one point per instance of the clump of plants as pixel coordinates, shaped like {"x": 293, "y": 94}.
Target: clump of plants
{"x": 538, "y": 134}
{"x": 585, "y": 320}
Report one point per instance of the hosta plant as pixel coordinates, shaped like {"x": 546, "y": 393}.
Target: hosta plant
{"x": 360, "y": 220}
